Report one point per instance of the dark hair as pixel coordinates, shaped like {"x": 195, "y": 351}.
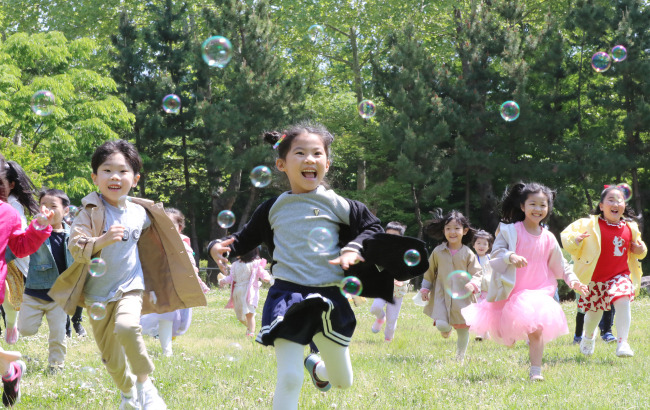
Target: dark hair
{"x": 516, "y": 196}
{"x": 65, "y": 201}
{"x": 4, "y": 187}
{"x": 176, "y": 216}
{"x": 123, "y": 147}
{"x": 250, "y": 256}
{"x": 481, "y": 234}
{"x": 628, "y": 213}
{"x": 396, "y": 226}
{"x": 24, "y": 188}
{"x": 283, "y": 139}
{"x": 435, "y": 228}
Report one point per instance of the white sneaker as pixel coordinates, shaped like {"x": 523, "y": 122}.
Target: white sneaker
{"x": 623, "y": 350}
{"x": 130, "y": 403}
{"x": 149, "y": 398}
{"x": 587, "y": 346}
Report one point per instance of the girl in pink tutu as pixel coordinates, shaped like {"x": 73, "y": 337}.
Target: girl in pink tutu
{"x": 606, "y": 248}
{"x": 526, "y": 262}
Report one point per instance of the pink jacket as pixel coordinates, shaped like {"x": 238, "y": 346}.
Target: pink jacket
{"x": 22, "y": 243}
{"x": 253, "y": 293}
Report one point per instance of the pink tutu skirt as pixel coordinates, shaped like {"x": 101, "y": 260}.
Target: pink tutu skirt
{"x": 522, "y": 313}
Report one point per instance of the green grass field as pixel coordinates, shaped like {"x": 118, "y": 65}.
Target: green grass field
{"x": 216, "y": 366}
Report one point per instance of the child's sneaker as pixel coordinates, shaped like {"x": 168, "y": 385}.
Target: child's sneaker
{"x": 130, "y": 403}
{"x": 148, "y": 397}
{"x": 310, "y": 364}
{"x": 479, "y": 338}
{"x": 587, "y": 346}
{"x": 577, "y": 339}
{"x": 387, "y": 340}
{"x": 624, "y": 350}
{"x": 608, "y": 337}
{"x": 445, "y": 334}
{"x": 376, "y": 327}
{"x": 81, "y": 332}
{"x": 11, "y": 392}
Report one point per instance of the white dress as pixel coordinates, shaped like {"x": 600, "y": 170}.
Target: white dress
{"x": 241, "y": 274}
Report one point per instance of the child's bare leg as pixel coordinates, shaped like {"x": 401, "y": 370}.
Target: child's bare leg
{"x": 535, "y": 348}
{"x": 250, "y": 322}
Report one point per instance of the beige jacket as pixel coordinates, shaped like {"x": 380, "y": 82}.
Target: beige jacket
{"x": 441, "y": 305}
{"x": 167, "y": 270}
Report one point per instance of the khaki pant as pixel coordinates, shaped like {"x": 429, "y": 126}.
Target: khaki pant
{"x": 119, "y": 337}
{"x": 30, "y": 319}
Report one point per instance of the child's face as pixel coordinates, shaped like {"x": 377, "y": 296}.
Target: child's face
{"x": 536, "y": 207}
{"x": 306, "y": 163}
{"x": 481, "y": 246}
{"x": 613, "y": 206}
{"x": 55, "y": 204}
{"x": 393, "y": 232}
{"x": 454, "y": 233}
{"x": 115, "y": 178}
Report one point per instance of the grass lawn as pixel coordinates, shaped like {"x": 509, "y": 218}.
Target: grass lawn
{"x": 216, "y": 366}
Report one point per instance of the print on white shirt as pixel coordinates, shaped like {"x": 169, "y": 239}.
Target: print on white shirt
{"x": 618, "y": 242}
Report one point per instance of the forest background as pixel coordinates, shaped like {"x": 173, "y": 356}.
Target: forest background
{"x": 438, "y": 72}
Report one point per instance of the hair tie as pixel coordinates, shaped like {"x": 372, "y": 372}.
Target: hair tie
{"x": 277, "y": 144}
{"x": 606, "y": 186}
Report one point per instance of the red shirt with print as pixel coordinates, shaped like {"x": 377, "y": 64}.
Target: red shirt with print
{"x": 614, "y": 249}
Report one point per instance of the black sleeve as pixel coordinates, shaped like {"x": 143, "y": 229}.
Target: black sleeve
{"x": 256, "y": 231}
{"x": 363, "y": 225}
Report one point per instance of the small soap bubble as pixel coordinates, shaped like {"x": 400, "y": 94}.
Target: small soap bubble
{"x": 171, "y": 104}
{"x": 626, "y": 190}
{"x": 601, "y": 61}
{"x": 43, "y": 102}
{"x": 455, "y": 284}
{"x": 316, "y": 33}
{"x": 217, "y": 51}
{"x": 411, "y": 257}
{"x": 367, "y": 109}
{"x": 73, "y": 211}
{"x": 88, "y": 371}
{"x": 509, "y": 111}
{"x": 41, "y": 221}
{"x": 320, "y": 239}
{"x": 233, "y": 352}
{"x": 226, "y": 219}
{"x": 261, "y": 176}
{"x": 619, "y": 53}
{"x": 97, "y": 311}
{"x": 121, "y": 202}
{"x": 351, "y": 286}
{"x": 97, "y": 267}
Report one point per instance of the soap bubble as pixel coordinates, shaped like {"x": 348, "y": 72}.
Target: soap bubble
{"x": 41, "y": 221}
{"x": 97, "y": 267}
{"x": 217, "y": 51}
{"x": 509, "y": 111}
{"x": 316, "y": 32}
{"x": 121, "y": 202}
{"x": 351, "y": 286}
{"x": 261, "y": 176}
{"x": 97, "y": 311}
{"x": 43, "y": 102}
{"x": 411, "y": 257}
{"x": 233, "y": 351}
{"x": 626, "y": 190}
{"x": 73, "y": 211}
{"x": 601, "y": 61}
{"x": 320, "y": 240}
{"x": 367, "y": 109}
{"x": 455, "y": 285}
{"x": 619, "y": 53}
{"x": 226, "y": 219}
{"x": 171, "y": 104}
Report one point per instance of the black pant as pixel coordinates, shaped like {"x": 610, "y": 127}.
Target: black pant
{"x": 605, "y": 324}
{"x": 76, "y": 319}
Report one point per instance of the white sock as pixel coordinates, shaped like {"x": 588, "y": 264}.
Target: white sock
{"x": 535, "y": 370}
{"x": 11, "y": 315}
{"x": 591, "y": 323}
{"x": 623, "y": 318}
{"x": 462, "y": 342}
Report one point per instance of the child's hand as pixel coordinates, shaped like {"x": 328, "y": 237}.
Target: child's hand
{"x": 637, "y": 247}
{"x": 518, "y": 261}
{"x": 580, "y": 237}
{"x": 221, "y": 283}
{"x": 471, "y": 288}
{"x": 218, "y": 249}
{"x": 113, "y": 235}
{"x": 425, "y": 294}
{"x": 397, "y": 282}
{"x": 347, "y": 259}
{"x": 49, "y": 214}
{"x": 579, "y": 287}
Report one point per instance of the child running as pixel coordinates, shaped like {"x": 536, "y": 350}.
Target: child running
{"x": 22, "y": 243}
{"x": 526, "y": 263}
{"x": 305, "y": 302}
{"x": 139, "y": 245}
{"x": 454, "y": 275}
{"x": 482, "y": 246}
{"x": 244, "y": 277}
{"x": 606, "y": 249}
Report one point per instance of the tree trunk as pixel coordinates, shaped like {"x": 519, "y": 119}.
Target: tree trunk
{"x": 224, "y": 200}
{"x": 489, "y": 216}
{"x": 253, "y": 193}
{"x": 418, "y": 213}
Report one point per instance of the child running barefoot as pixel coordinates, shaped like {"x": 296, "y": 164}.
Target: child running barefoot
{"x": 606, "y": 249}
{"x": 244, "y": 277}
{"x": 22, "y": 243}
{"x": 451, "y": 292}
{"x": 305, "y": 302}
{"x": 482, "y": 246}
{"x": 526, "y": 263}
